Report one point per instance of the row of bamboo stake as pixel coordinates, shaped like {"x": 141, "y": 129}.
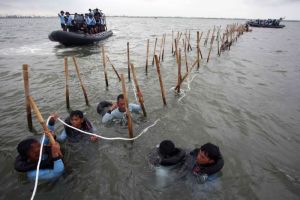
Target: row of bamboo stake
{"x": 232, "y": 31}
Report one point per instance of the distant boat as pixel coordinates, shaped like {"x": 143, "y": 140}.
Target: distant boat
{"x": 78, "y": 38}
{"x": 266, "y": 23}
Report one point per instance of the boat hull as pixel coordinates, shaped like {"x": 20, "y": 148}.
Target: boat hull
{"x": 76, "y": 39}
{"x": 265, "y": 26}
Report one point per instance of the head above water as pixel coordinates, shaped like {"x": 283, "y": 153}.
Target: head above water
{"x": 67, "y": 13}
{"x": 208, "y": 154}
{"x": 62, "y": 12}
{"x": 121, "y": 103}
{"x": 76, "y": 118}
{"x": 29, "y": 149}
{"x": 166, "y": 148}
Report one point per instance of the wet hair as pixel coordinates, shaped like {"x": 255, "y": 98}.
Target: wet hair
{"x": 212, "y": 151}
{"x": 24, "y": 147}
{"x": 62, "y": 11}
{"x": 120, "y": 96}
{"x": 166, "y": 148}
{"x": 76, "y": 113}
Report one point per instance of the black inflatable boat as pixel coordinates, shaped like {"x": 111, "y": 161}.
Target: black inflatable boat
{"x": 75, "y": 38}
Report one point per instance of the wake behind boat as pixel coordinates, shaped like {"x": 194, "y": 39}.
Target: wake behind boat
{"x": 82, "y": 29}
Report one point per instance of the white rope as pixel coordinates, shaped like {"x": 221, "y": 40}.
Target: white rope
{"x": 114, "y": 138}
{"x": 38, "y": 166}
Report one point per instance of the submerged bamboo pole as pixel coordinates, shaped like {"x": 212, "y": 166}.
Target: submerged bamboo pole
{"x": 116, "y": 72}
{"x": 66, "y": 83}
{"x": 26, "y": 90}
{"x": 104, "y": 65}
{"x": 154, "y": 51}
{"x": 147, "y": 57}
{"x": 128, "y": 61}
{"x": 41, "y": 120}
{"x": 81, "y": 83}
{"x": 160, "y": 80}
{"x": 140, "y": 95}
{"x": 129, "y": 120}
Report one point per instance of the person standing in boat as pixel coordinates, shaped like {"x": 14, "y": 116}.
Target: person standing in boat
{"x": 91, "y": 23}
{"x": 69, "y": 22}
{"x": 98, "y": 20}
{"x": 111, "y": 111}
{"x": 62, "y": 20}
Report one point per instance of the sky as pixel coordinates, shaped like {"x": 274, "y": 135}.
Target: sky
{"x": 249, "y": 9}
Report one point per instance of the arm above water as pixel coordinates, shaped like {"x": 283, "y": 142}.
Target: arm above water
{"x": 134, "y": 108}
{"x": 48, "y": 174}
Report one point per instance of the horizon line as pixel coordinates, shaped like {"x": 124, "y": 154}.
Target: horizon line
{"x": 127, "y": 16}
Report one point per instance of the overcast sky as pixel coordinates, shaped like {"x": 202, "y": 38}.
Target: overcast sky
{"x": 290, "y": 9}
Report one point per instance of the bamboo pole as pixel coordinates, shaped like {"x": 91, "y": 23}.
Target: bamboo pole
{"x": 198, "y": 50}
{"x": 186, "y": 75}
{"x": 104, "y": 65}
{"x": 172, "y": 41}
{"x": 161, "y": 45}
{"x": 163, "y": 51}
{"x": 128, "y": 61}
{"x": 26, "y": 90}
{"x": 179, "y": 72}
{"x": 189, "y": 45}
{"x": 66, "y": 83}
{"x": 218, "y": 35}
{"x": 140, "y": 95}
{"x": 147, "y": 57}
{"x": 200, "y": 45}
{"x": 116, "y": 72}
{"x": 207, "y": 36}
{"x": 176, "y": 50}
{"x": 41, "y": 120}
{"x": 210, "y": 49}
{"x": 185, "y": 57}
{"x": 213, "y": 35}
{"x": 81, "y": 83}
{"x": 154, "y": 51}
{"x": 160, "y": 80}
{"x": 129, "y": 120}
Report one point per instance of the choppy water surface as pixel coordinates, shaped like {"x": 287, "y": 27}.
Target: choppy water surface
{"x": 246, "y": 101}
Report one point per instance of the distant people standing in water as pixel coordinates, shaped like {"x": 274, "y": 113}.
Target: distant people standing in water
{"x": 77, "y": 120}
{"x": 111, "y": 111}
{"x": 62, "y": 19}
{"x": 208, "y": 161}
{"x": 166, "y": 154}
{"x": 51, "y": 165}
